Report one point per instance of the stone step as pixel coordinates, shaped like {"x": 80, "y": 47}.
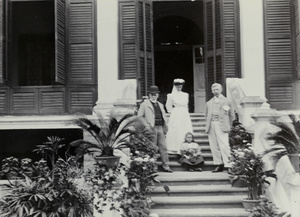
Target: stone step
{"x": 198, "y": 129}
{"x": 206, "y": 155}
{"x": 207, "y": 201}
{"x": 204, "y": 212}
{"x": 199, "y": 190}
{"x": 186, "y": 178}
{"x": 176, "y": 166}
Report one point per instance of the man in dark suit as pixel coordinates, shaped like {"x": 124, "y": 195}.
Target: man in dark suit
{"x": 219, "y": 116}
{"x": 154, "y": 113}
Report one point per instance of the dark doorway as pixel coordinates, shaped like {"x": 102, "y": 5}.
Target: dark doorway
{"x": 178, "y": 26}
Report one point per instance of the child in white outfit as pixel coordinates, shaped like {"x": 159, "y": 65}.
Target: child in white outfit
{"x": 191, "y": 155}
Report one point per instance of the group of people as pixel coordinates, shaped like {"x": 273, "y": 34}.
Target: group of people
{"x": 176, "y": 135}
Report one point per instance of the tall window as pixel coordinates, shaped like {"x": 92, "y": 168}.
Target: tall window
{"x": 31, "y": 44}
{"x": 48, "y": 58}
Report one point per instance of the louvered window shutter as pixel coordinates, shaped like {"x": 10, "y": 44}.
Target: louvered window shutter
{"x": 297, "y": 31}
{"x": 210, "y": 52}
{"x": 279, "y": 48}
{"x": 128, "y": 40}
{"x": 81, "y": 67}
{"x": 3, "y": 71}
{"x": 146, "y": 74}
{"x": 136, "y": 43}
{"x": 231, "y": 38}
{"x": 82, "y": 47}
{"x": 60, "y": 60}
{"x": 222, "y": 41}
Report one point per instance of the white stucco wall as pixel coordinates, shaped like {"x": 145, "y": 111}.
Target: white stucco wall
{"x": 110, "y": 89}
{"x": 252, "y": 47}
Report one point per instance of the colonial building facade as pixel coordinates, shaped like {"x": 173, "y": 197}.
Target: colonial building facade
{"x": 60, "y": 57}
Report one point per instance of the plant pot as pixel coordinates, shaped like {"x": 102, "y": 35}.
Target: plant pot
{"x": 249, "y": 204}
{"x": 237, "y": 181}
{"x": 109, "y": 161}
{"x": 294, "y": 158}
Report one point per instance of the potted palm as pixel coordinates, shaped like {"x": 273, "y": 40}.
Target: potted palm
{"x": 250, "y": 165}
{"x": 110, "y": 136}
{"x": 286, "y": 142}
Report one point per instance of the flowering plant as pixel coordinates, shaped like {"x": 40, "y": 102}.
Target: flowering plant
{"x": 267, "y": 209}
{"x": 249, "y": 166}
{"x": 129, "y": 199}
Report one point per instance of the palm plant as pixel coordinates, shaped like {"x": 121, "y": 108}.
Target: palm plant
{"x": 111, "y": 135}
{"x": 286, "y": 140}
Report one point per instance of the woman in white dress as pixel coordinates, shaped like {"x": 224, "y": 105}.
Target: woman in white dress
{"x": 179, "y": 122}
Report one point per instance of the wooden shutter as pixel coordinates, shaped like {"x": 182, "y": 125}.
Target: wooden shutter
{"x": 222, "y": 41}
{"x": 210, "y": 51}
{"x": 3, "y": 32}
{"x": 297, "y": 31}
{"x": 82, "y": 59}
{"x": 231, "y": 37}
{"x": 60, "y": 44}
{"x": 128, "y": 40}
{"x": 82, "y": 46}
{"x": 279, "y": 53}
{"x": 146, "y": 74}
{"x": 136, "y": 43}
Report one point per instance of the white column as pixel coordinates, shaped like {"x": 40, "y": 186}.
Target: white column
{"x": 107, "y": 48}
{"x": 112, "y": 92}
{"x": 252, "y": 46}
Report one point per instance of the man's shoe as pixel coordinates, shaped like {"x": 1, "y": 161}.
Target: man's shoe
{"x": 218, "y": 169}
{"x": 228, "y": 170}
{"x": 167, "y": 169}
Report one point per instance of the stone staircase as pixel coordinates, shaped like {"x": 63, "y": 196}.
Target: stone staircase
{"x": 197, "y": 194}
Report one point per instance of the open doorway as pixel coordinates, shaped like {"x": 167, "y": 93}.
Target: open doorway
{"x": 178, "y": 26}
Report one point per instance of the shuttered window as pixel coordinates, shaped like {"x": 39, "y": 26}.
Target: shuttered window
{"x": 136, "y": 43}
{"x": 280, "y": 54}
{"x": 74, "y": 80}
{"x": 222, "y": 41}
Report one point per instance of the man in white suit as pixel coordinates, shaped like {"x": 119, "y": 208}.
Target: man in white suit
{"x": 154, "y": 113}
{"x": 219, "y": 116}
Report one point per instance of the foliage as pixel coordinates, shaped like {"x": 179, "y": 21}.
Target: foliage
{"x": 110, "y": 136}
{"x": 267, "y": 209}
{"x": 130, "y": 198}
{"x": 249, "y": 166}
{"x": 50, "y": 195}
{"x": 41, "y": 191}
{"x": 286, "y": 140}
{"x": 10, "y": 166}
{"x": 49, "y": 149}
{"x": 238, "y": 136}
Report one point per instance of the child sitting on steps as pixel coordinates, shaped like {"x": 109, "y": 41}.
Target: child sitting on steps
{"x": 191, "y": 157}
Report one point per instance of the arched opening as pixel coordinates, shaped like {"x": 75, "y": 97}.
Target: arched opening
{"x": 175, "y": 34}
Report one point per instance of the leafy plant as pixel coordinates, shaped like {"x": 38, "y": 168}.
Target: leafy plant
{"x": 10, "y": 166}
{"x": 131, "y": 198}
{"x": 238, "y": 136}
{"x": 107, "y": 137}
{"x": 249, "y": 166}
{"x": 49, "y": 149}
{"x": 267, "y": 209}
{"x": 52, "y": 196}
{"x": 286, "y": 140}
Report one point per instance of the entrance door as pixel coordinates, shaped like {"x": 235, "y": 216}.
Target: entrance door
{"x": 199, "y": 78}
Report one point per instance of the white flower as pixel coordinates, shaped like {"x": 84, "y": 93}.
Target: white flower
{"x": 226, "y": 107}
{"x": 138, "y": 159}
